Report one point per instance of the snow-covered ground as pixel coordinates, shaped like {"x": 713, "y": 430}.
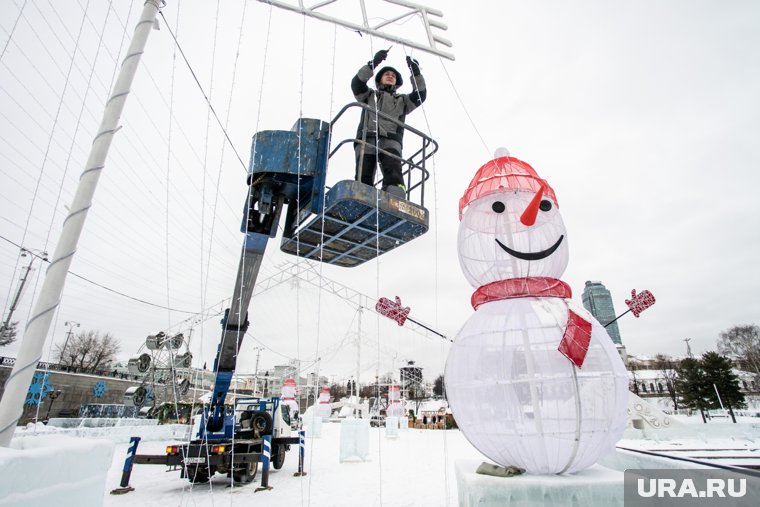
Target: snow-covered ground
{"x": 417, "y": 468}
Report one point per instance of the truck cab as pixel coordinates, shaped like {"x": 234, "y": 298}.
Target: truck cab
{"x": 256, "y": 417}
{"x": 265, "y": 416}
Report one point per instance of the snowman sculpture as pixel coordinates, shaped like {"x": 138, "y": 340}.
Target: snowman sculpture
{"x": 532, "y": 379}
{"x": 289, "y": 396}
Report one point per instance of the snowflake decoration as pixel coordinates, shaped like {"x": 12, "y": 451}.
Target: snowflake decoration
{"x": 99, "y": 389}
{"x": 38, "y": 389}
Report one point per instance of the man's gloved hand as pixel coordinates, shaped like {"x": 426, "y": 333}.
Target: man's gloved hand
{"x": 378, "y": 59}
{"x": 414, "y": 65}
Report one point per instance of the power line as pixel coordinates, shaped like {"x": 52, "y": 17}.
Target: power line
{"x": 103, "y": 286}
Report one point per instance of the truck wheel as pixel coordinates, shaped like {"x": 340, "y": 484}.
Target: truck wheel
{"x": 262, "y": 423}
{"x": 197, "y": 475}
{"x": 246, "y": 473}
{"x": 278, "y": 456}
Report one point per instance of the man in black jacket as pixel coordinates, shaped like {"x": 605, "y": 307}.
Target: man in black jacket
{"x": 384, "y": 134}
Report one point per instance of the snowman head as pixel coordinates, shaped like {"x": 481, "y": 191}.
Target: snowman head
{"x": 510, "y": 225}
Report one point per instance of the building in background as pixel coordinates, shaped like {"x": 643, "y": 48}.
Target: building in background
{"x": 598, "y": 301}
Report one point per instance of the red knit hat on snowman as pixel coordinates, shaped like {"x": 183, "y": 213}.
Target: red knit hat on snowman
{"x": 501, "y": 174}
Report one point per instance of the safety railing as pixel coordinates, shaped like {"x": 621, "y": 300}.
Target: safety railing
{"x": 414, "y": 172}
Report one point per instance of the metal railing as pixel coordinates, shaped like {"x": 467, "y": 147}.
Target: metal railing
{"x": 414, "y": 171}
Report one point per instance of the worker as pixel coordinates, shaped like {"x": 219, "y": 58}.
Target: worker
{"x": 385, "y": 134}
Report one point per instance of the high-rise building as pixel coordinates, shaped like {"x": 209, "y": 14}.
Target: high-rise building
{"x": 598, "y": 301}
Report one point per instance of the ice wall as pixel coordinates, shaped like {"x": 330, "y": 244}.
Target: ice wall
{"x": 54, "y": 470}
{"x": 116, "y": 434}
{"x": 354, "y": 439}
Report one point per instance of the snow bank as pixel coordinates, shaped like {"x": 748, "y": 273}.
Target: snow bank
{"x": 54, "y": 470}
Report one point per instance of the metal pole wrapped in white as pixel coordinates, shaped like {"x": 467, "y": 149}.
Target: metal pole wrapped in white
{"x": 11, "y": 404}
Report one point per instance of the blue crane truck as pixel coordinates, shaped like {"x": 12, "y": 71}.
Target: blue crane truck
{"x": 346, "y": 226}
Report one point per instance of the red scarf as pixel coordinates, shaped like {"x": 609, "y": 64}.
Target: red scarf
{"x": 532, "y": 286}
{"x": 575, "y": 340}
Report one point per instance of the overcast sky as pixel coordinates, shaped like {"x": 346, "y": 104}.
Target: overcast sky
{"x": 643, "y": 116}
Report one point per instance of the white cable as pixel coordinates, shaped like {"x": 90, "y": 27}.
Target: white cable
{"x": 13, "y": 30}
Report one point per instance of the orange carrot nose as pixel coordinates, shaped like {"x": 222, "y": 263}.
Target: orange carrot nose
{"x": 529, "y": 215}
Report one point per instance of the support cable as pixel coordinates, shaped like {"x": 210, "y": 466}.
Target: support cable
{"x": 103, "y": 286}
{"x": 166, "y": 220}
{"x": 224, "y": 145}
{"x": 466, "y": 112}
{"x": 238, "y": 336}
{"x": 78, "y": 123}
{"x": 360, "y": 168}
{"x": 433, "y": 172}
{"x": 168, "y": 162}
{"x": 13, "y": 30}
{"x": 46, "y": 45}
{"x": 299, "y": 260}
{"x": 66, "y": 165}
{"x": 210, "y": 106}
{"x": 50, "y": 140}
{"x": 63, "y": 178}
{"x": 209, "y": 111}
{"x": 317, "y": 355}
{"x": 39, "y": 325}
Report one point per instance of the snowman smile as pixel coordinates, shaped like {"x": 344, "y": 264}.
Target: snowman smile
{"x": 531, "y": 256}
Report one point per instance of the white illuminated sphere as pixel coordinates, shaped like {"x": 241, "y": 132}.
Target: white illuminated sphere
{"x": 515, "y": 397}
{"x": 481, "y": 230}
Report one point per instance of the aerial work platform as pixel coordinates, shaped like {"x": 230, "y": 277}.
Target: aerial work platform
{"x": 351, "y": 222}
{"x": 359, "y": 223}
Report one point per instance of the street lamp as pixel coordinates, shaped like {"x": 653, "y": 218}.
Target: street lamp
{"x": 53, "y": 395}
{"x": 33, "y": 254}
{"x": 71, "y": 325}
{"x": 256, "y": 371}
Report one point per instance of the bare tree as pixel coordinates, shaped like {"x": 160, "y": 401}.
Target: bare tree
{"x": 633, "y": 367}
{"x": 88, "y": 350}
{"x": 337, "y": 391}
{"x": 667, "y": 368}
{"x": 8, "y": 333}
{"x": 743, "y": 344}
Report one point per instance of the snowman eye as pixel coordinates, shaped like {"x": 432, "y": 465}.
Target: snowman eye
{"x": 498, "y": 207}
{"x": 545, "y": 205}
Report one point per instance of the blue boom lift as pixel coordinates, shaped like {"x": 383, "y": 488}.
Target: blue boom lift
{"x": 348, "y": 225}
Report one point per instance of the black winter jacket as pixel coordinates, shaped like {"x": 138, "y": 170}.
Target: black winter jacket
{"x": 386, "y": 101}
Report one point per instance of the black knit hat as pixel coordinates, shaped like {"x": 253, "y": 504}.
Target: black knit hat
{"x": 385, "y": 69}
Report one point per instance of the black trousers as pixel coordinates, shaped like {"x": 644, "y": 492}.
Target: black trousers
{"x": 390, "y": 166}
